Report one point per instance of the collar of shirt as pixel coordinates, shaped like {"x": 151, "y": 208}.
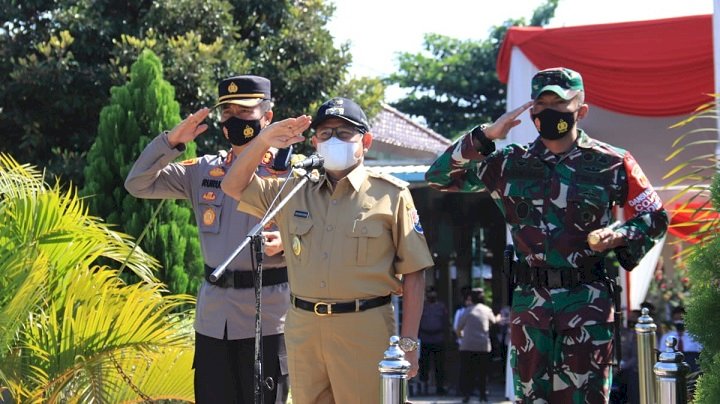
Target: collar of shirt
{"x": 537, "y": 147}
{"x": 356, "y": 177}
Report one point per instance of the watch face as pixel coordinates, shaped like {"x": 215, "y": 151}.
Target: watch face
{"x": 407, "y": 344}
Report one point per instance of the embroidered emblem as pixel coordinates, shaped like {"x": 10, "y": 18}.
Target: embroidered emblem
{"x": 415, "y": 219}
{"x": 248, "y": 132}
{"x": 562, "y": 126}
{"x": 209, "y": 196}
{"x": 296, "y": 247}
{"x": 217, "y": 172}
{"x": 209, "y": 216}
{"x": 232, "y": 88}
{"x": 267, "y": 158}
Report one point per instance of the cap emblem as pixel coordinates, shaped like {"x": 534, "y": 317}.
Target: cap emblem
{"x": 335, "y": 111}
{"x": 232, "y": 88}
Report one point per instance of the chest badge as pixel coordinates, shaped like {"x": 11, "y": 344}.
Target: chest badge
{"x": 209, "y": 196}
{"x": 209, "y": 216}
{"x": 296, "y": 246}
{"x": 217, "y": 172}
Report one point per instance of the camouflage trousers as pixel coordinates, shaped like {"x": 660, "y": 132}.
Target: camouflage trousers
{"x": 562, "y": 366}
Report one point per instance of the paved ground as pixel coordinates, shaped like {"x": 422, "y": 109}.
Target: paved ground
{"x": 496, "y": 394}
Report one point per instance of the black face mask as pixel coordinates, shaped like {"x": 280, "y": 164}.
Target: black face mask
{"x": 552, "y": 124}
{"x": 680, "y": 326}
{"x": 240, "y": 131}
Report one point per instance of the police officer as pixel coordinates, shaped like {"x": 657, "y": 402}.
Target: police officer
{"x": 554, "y": 193}
{"x": 350, "y": 237}
{"x": 225, "y": 312}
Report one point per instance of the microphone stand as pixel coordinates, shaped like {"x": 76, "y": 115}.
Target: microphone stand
{"x": 256, "y": 239}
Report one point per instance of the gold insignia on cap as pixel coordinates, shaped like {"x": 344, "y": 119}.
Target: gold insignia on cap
{"x": 296, "y": 246}
{"x": 248, "y": 131}
{"x": 562, "y": 126}
{"x": 232, "y": 88}
{"x": 209, "y": 216}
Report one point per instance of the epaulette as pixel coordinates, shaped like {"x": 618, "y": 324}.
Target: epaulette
{"x": 389, "y": 178}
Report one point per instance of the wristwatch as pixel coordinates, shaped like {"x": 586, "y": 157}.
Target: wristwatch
{"x": 408, "y": 344}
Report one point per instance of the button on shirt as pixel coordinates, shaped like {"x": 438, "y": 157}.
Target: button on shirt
{"x": 349, "y": 242}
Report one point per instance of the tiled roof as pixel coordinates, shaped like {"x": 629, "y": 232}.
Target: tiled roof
{"x": 393, "y": 127}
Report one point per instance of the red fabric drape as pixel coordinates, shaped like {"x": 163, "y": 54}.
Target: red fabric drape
{"x": 646, "y": 68}
{"x": 680, "y": 214}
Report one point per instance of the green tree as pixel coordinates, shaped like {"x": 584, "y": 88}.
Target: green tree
{"x": 142, "y": 107}
{"x": 72, "y": 330}
{"x": 456, "y": 86}
{"x": 63, "y": 56}
{"x": 698, "y": 173}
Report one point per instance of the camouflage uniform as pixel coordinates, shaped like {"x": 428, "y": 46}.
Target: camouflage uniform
{"x": 561, "y": 336}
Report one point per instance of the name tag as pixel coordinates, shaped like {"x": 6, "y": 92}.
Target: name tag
{"x": 302, "y": 214}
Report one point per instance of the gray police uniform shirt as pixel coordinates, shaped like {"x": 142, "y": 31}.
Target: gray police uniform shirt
{"x": 222, "y": 228}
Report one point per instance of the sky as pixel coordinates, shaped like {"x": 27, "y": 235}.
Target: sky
{"x": 378, "y": 30}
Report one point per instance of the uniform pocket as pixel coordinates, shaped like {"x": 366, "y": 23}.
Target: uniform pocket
{"x": 210, "y": 204}
{"x": 299, "y": 239}
{"x": 365, "y": 236}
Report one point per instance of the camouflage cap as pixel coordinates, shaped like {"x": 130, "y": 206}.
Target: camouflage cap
{"x": 562, "y": 81}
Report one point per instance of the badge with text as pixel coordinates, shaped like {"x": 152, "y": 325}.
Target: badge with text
{"x": 301, "y": 213}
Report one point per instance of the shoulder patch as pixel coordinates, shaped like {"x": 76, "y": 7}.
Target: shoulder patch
{"x": 389, "y": 178}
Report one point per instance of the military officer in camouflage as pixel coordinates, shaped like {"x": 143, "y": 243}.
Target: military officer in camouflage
{"x": 554, "y": 193}
{"x": 353, "y": 235}
{"x": 225, "y": 312}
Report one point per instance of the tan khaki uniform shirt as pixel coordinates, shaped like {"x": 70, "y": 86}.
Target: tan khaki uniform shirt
{"x": 221, "y": 228}
{"x": 347, "y": 243}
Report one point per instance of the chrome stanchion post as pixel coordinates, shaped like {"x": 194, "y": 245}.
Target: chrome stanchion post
{"x": 645, "y": 330}
{"x": 393, "y": 374}
{"x": 671, "y": 372}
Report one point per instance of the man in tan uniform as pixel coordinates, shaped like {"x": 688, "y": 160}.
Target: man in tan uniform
{"x": 225, "y": 312}
{"x": 349, "y": 237}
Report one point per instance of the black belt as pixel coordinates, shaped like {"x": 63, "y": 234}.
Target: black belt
{"x": 553, "y": 278}
{"x": 245, "y": 279}
{"x": 326, "y": 309}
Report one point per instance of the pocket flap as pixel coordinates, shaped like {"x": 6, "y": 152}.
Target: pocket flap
{"x": 300, "y": 227}
{"x": 367, "y": 228}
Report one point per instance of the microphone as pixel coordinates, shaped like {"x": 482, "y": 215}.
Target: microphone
{"x": 313, "y": 161}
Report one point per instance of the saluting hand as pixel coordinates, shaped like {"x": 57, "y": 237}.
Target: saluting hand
{"x": 190, "y": 127}
{"x": 500, "y": 128}
{"x": 286, "y": 132}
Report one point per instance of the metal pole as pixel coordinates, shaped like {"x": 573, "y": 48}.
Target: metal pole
{"x": 393, "y": 374}
{"x": 671, "y": 371}
{"x": 645, "y": 331}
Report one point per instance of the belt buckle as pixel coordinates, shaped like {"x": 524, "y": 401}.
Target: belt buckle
{"x": 318, "y": 305}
